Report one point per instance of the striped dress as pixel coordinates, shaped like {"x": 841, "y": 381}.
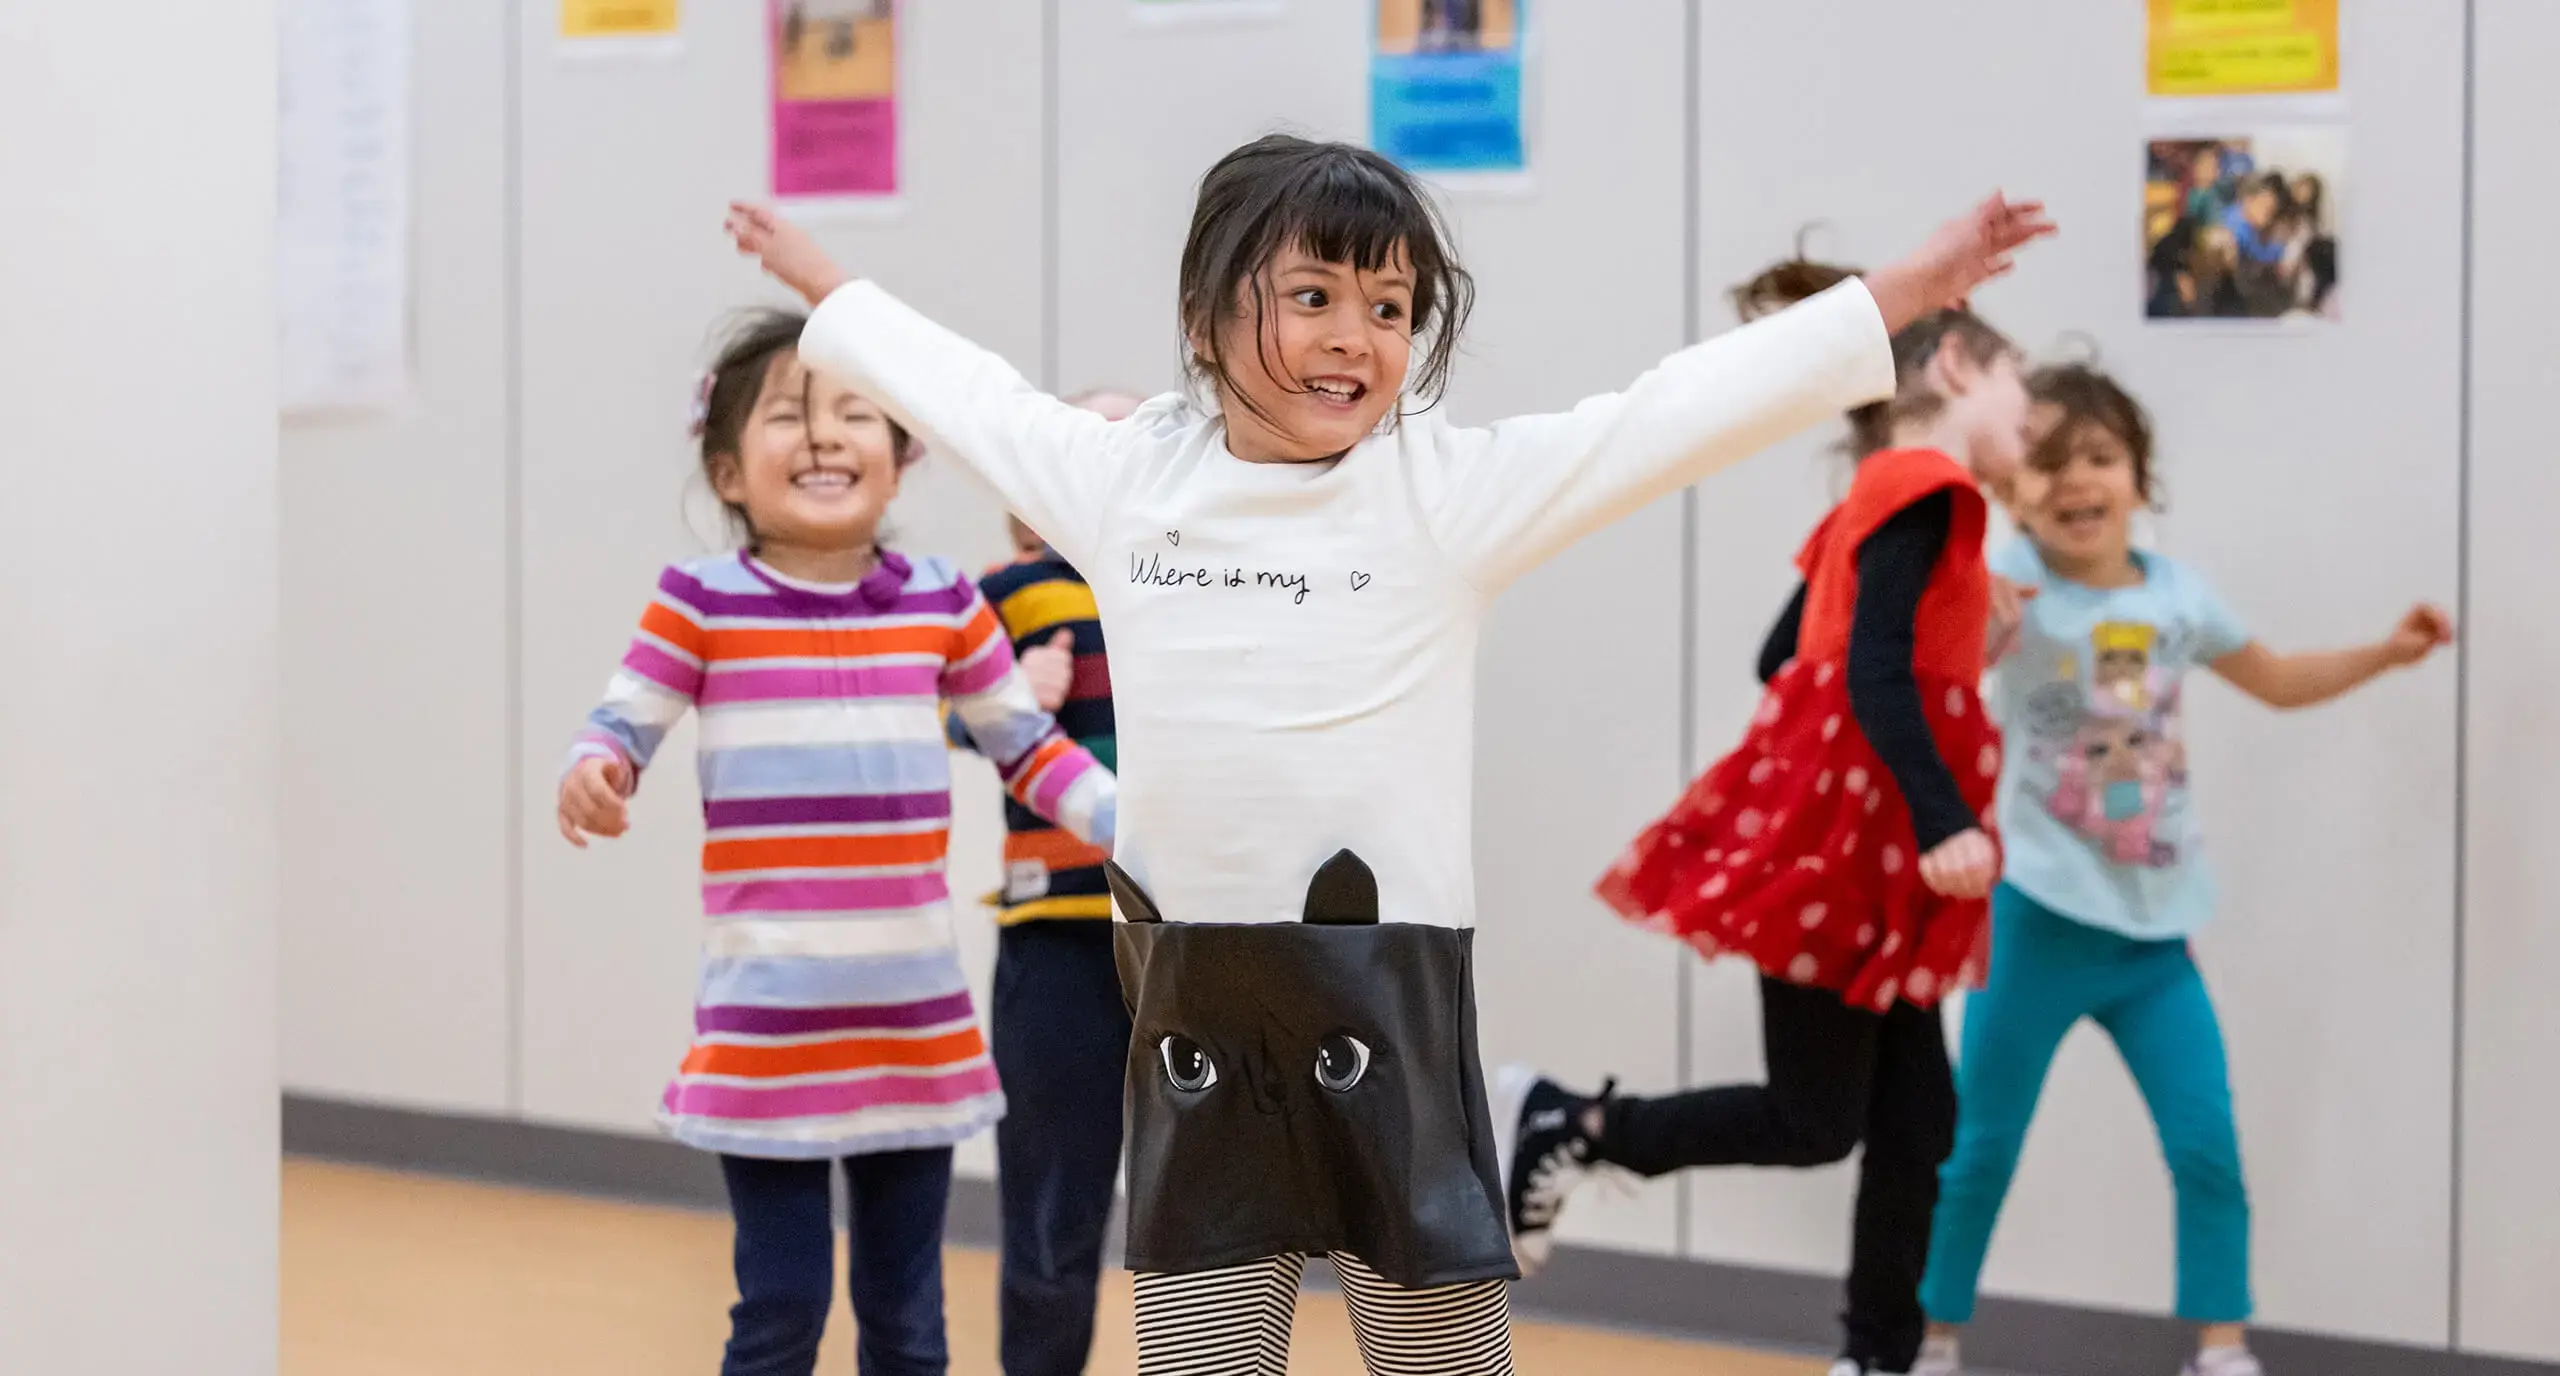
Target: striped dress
{"x": 833, "y": 1017}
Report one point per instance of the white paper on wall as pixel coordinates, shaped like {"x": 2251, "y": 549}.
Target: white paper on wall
{"x": 1204, "y": 11}
{"x": 342, "y": 204}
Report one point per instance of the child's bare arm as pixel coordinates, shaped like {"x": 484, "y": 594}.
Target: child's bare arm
{"x": 2308, "y": 678}
{"x": 785, "y": 250}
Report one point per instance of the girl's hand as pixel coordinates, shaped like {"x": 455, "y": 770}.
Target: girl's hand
{"x": 1962, "y": 255}
{"x": 591, "y": 800}
{"x": 2008, "y": 612}
{"x": 785, "y": 249}
{"x": 1964, "y": 865}
{"x": 1052, "y": 670}
{"x": 2421, "y": 633}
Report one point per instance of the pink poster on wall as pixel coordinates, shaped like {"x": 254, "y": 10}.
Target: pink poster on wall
{"x": 835, "y": 98}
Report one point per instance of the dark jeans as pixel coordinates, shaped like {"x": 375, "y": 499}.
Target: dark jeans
{"x": 1838, "y": 1076}
{"x": 1061, "y": 1038}
{"x": 786, "y": 1262}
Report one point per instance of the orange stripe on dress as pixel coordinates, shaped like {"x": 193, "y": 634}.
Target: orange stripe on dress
{"x": 824, "y": 852}
{"x": 673, "y": 627}
{"x": 746, "y": 642}
{"x": 1024, "y": 780}
{"x": 1059, "y": 850}
{"x": 980, "y": 628}
{"x": 841, "y": 1053}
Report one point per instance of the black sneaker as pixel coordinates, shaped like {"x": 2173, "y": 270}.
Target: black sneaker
{"x": 1542, "y": 1157}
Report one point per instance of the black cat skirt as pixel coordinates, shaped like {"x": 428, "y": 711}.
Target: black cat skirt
{"x": 1308, "y": 1087}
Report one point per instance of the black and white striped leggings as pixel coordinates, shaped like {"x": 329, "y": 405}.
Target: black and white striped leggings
{"x": 1235, "y": 1321}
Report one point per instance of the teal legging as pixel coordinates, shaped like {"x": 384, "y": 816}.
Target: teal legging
{"x": 2047, "y": 973}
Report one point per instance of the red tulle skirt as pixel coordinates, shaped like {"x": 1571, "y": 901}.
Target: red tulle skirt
{"x": 1796, "y": 851}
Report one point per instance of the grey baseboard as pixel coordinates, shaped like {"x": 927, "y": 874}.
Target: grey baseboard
{"x": 505, "y": 1151}
{"x": 1625, "y": 1290}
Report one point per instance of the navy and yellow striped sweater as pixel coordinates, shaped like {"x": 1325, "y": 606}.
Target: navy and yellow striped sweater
{"x": 1047, "y": 872}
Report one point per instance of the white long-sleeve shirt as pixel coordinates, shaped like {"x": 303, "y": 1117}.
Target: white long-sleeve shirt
{"x": 1293, "y": 646}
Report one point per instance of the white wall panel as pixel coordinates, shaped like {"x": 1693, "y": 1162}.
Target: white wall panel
{"x": 2511, "y": 1022}
{"x": 2312, "y": 474}
{"x": 396, "y": 945}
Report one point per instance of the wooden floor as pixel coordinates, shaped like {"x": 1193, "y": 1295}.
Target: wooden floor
{"x": 393, "y": 1275}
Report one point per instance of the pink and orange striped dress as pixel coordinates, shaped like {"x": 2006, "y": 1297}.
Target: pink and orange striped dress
{"x": 833, "y": 1017}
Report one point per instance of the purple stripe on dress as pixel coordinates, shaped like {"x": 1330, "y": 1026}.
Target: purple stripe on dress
{"x": 724, "y": 813}
{"x": 766, "y": 606}
{"x": 1061, "y": 777}
{"x": 948, "y": 600}
{"x": 696, "y": 1099}
{"x": 683, "y": 589}
{"x": 844, "y": 680}
{"x": 824, "y": 895}
{"x": 760, "y": 606}
{"x": 659, "y": 667}
{"x": 966, "y": 680}
{"x": 754, "y": 1021}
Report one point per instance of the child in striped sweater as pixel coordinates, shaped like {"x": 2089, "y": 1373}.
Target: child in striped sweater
{"x": 1059, "y": 1027}
{"x": 832, "y": 1021}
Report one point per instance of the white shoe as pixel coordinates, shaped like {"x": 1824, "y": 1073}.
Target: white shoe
{"x": 1938, "y": 1358}
{"x": 2224, "y": 1361}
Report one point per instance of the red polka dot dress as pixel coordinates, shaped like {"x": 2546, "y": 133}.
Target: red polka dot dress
{"x": 1797, "y": 851}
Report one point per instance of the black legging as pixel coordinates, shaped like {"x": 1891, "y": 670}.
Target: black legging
{"x": 1838, "y": 1076}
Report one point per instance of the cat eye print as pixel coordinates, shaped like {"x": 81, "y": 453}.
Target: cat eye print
{"x": 1188, "y": 1068}
{"x": 1342, "y": 1061}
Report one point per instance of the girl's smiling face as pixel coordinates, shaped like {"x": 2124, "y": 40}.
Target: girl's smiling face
{"x": 816, "y": 465}
{"x": 2083, "y": 490}
{"x": 1320, "y": 296}
{"x": 1318, "y": 359}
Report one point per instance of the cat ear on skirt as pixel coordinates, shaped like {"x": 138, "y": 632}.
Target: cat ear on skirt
{"x": 1133, "y": 902}
{"x": 1343, "y": 894}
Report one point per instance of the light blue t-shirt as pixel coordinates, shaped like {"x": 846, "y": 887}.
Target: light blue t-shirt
{"x": 2095, "y": 819}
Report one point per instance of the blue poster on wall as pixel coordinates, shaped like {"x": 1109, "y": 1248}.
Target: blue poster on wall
{"x": 1444, "y": 84}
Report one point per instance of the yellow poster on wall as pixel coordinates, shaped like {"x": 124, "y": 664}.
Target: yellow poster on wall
{"x": 618, "y": 18}
{"x": 2243, "y": 47}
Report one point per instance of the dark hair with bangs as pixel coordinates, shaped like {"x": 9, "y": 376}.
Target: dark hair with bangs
{"x": 1871, "y": 426}
{"x": 2088, "y": 396}
{"x": 1341, "y": 203}
{"x": 756, "y": 341}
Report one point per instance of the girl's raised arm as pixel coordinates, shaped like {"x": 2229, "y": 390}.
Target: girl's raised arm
{"x": 1533, "y": 485}
{"x": 1052, "y": 462}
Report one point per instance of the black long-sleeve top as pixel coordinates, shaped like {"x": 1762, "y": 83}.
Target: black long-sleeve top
{"x": 1894, "y": 564}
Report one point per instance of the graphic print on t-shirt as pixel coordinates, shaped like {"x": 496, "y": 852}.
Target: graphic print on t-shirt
{"x": 2097, "y": 818}
{"x": 2114, "y": 743}
{"x": 1164, "y": 568}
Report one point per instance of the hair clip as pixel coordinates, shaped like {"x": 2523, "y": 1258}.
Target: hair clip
{"x": 700, "y": 415}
